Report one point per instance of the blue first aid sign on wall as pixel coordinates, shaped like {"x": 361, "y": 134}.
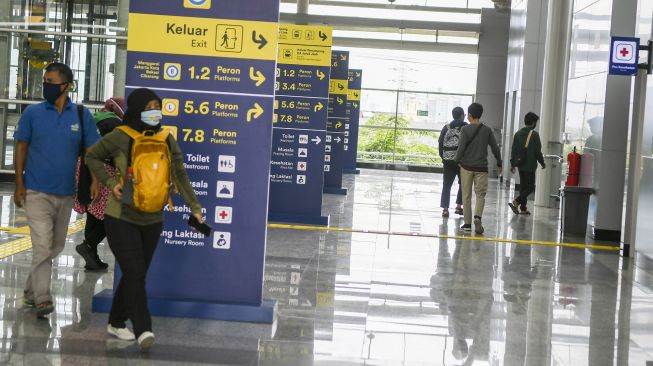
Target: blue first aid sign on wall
{"x": 624, "y": 56}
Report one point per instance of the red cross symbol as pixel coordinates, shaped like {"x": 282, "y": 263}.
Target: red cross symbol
{"x": 624, "y": 52}
{"x": 223, "y": 214}
{"x": 301, "y": 166}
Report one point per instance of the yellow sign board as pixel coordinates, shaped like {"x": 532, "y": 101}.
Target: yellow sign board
{"x": 304, "y": 45}
{"x": 338, "y": 86}
{"x": 308, "y": 35}
{"x": 202, "y": 36}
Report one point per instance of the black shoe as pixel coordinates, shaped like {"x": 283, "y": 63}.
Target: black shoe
{"x": 459, "y": 211}
{"x": 466, "y": 227}
{"x": 513, "y": 207}
{"x": 44, "y": 308}
{"x": 478, "y": 225}
{"x": 103, "y": 266}
{"x": 89, "y": 256}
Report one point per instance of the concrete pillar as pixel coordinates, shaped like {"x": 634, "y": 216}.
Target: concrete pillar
{"x": 302, "y": 11}
{"x": 554, "y": 91}
{"x": 119, "y": 70}
{"x": 5, "y": 41}
{"x": 612, "y": 164}
{"x": 491, "y": 74}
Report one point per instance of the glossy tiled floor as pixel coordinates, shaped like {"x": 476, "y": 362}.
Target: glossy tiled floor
{"x": 373, "y": 299}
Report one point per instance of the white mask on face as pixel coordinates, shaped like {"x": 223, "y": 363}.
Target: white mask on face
{"x": 152, "y": 117}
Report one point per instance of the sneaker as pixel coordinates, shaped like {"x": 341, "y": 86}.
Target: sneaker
{"x": 145, "y": 341}
{"x": 28, "y": 303}
{"x": 89, "y": 256}
{"x": 44, "y": 308}
{"x": 478, "y": 225}
{"x": 459, "y": 211}
{"x": 513, "y": 206}
{"x": 445, "y": 213}
{"x": 466, "y": 227}
{"x": 121, "y": 333}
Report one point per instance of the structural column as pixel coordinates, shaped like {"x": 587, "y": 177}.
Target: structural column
{"x": 554, "y": 92}
{"x": 612, "y": 164}
{"x": 119, "y": 70}
{"x": 302, "y": 11}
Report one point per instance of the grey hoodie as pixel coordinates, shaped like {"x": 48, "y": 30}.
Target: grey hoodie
{"x": 474, "y": 157}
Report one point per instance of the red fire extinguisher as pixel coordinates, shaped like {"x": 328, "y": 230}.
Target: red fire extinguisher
{"x": 573, "y": 168}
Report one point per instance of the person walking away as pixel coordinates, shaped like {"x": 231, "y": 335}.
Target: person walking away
{"x": 106, "y": 120}
{"x": 48, "y": 143}
{"x": 472, "y": 158}
{"x": 448, "y": 145}
{"x": 133, "y": 222}
{"x": 526, "y": 153}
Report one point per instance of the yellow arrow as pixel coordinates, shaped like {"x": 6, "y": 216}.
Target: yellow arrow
{"x": 320, "y": 75}
{"x": 338, "y": 125}
{"x": 318, "y": 107}
{"x": 355, "y": 105}
{"x": 340, "y": 101}
{"x": 256, "y": 76}
{"x": 255, "y": 112}
{"x": 343, "y": 57}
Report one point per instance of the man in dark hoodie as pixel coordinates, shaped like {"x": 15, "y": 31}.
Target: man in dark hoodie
{"x": 472, "y": 158}
{"x": 526, "y": 153}
{"x": 448, "y": 145}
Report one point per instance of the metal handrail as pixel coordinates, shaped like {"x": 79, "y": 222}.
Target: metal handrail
{"x": 66, "y": 34}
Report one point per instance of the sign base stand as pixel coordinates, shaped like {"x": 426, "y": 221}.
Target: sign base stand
{"x": 351, "y": 171}
{"x": 335, "y": 190}
{"x": 298, "y": 219}
{"x": 265, "y": 313}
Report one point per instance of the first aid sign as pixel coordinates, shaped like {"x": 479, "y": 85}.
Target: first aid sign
{"x": 624, "y": 56}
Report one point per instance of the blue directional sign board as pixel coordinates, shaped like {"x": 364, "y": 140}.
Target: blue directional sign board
{"x": 624, "y": 56}
{"x": 334, "y": 158}
{"x": 353, "y": 117}
{"x": 213, "y": 64}
{"x": 300, "y": 120}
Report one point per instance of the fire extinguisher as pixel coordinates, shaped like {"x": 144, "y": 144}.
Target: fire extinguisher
{"x": 573, "y": 168}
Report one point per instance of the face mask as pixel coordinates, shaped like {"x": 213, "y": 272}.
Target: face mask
{"x": 151, "y": 117}
{"x": 52, "y": 92}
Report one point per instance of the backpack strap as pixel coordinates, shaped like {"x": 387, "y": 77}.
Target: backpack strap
{"x": 129, "y": 131}
{"x": 80, "y": 116}
{"x": 528, "y": 140}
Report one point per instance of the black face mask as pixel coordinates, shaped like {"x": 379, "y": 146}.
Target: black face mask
{"x": 52, "y": 92}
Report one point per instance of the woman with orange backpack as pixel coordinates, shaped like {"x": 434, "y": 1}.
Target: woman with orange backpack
{"x": 134, "y": 213}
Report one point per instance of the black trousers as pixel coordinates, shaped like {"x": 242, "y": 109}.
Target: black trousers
{"x": 451, "y": 171}
{"x": 133, "y": 246}
{"x": 526, "y": 188}
{"x": 94, "y": 231}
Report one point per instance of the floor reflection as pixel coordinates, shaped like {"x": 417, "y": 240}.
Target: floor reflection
{"x": 371, "y": 299}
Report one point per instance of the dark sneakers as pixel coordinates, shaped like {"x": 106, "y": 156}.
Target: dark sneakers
{"x": 93, "y": 262}
{"x": 478, "y": 225}
{"x": 459, "y": 211}
{"x": 513, "y": 206}
{"x": 466, "y": 228}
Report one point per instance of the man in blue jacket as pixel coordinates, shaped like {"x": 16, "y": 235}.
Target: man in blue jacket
{"x": 48, "y": 142}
